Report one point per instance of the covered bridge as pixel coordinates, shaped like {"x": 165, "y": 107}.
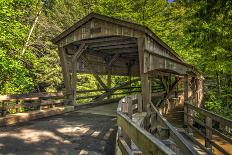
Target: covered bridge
{"x": 149, "y": 120}
{"x": 101, "y": 45}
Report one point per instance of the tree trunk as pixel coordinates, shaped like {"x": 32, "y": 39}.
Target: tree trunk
{"x": 30, "y": 32}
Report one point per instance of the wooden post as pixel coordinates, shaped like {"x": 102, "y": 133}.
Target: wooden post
{"x": 140, "y": 102}
{"x": 17, "y": 108}
{"x": 185, "y": 99}
{"x": 130, "y": 108}
{"x": 208, "y": 122}
{"x": 3, "y": 109}
{"x": 74, "y": 81}
{"x": 109, "y": 80}
{"x": 176, "y": 92}
{"x": 146, "y": 96}
{"x": 129, "y": 77}
{"x": 65, "y": 71}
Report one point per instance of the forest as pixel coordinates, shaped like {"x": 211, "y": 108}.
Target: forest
{"x": 198, "y": 30}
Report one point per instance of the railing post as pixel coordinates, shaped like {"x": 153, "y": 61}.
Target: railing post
{"x": 17, "y": 103}
{"x": 125, "y": 109}
{"x": 3, "y": 109}
{"x": 208, "y": 132}
{"x": 185, "y": 100}
{"x": 140, "y": 103}
{"x": 190, "y": 120}
{"x": 129, "y": 106}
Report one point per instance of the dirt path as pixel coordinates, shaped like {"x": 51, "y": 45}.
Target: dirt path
{"x": 67, "y": 134}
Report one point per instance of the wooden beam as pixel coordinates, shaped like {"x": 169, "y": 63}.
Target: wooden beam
{"x": 112, "y": 43}
{"x": 65, "y": 71}
{"x": 110, "y": 91}
{"x": 115, "y": 58}
{"x": 80, "y": 50}
{"x": 115, "y": 47}
{"x": 85, "y": 61}
{"x": 170, "y": 92}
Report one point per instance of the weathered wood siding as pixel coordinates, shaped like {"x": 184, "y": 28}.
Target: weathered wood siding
{"x": 98, "y": 28}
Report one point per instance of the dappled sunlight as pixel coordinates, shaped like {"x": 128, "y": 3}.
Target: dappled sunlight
{"x": 73, "y": 130}
{"x": 73, "y": 133}
{"x": 32, "y": 136}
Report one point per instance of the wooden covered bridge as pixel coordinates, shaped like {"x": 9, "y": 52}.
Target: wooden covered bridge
{"x": 160, "y": 114}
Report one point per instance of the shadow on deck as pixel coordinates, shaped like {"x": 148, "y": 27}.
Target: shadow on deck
{"x": 89, "y": 131}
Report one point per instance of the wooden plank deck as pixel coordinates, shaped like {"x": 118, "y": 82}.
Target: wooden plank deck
{"x": 80, "y": 132}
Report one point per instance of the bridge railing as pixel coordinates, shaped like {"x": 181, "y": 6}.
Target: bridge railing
{"x": 34, "y": 101}
{"x": 162, "y": 129}
{"x": 212, "y": 127}
{"x": 131, "y": 132}
{"x": 30, "y": 101}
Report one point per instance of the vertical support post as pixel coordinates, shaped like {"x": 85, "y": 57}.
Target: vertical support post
{"x": 3, "y": 109}
{"x": 109, "y": 80}
{"x": 197, "y": 91}
{"x": 17, "y": 108}
{"x": 74, "y": 81}
{"x": 140, "y": 103}
{"x": 208, "y": 122}
{"x": 130, "y": 109}
{"x": 185, "y": 99}
{"x": 146, "y": 96}
{"x": 176, "y": 91}
{"x": 65, "y": 71}
{"x": 129, "y": 77}
{"x": 194, "y": 91}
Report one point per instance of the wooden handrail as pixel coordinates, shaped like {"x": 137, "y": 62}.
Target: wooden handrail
{"x": 209, "y": 117}
{"x": 214, "y": 116}
{"x": 174, "y": 134}
{"x": 30, "y": 96}
{"x": 147, "y": 143}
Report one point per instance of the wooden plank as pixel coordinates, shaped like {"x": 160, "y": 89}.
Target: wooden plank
{"x": 115, "y": 47}
{"x": 30, "y": 96}
{"x": 145, "y": 141}
{"x": 24, "y": 117}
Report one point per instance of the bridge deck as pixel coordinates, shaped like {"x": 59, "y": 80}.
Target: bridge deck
{"x": 89, "y": 131}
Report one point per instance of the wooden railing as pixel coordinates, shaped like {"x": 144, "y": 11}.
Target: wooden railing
{"x": 31, "y": 101}
{"x": 34, "y": 101}
{"x": 212, "y": 125}
{"x": 130, "y": 90}
{"x": 162, "y": 129}
{"x": 131, "y": 132}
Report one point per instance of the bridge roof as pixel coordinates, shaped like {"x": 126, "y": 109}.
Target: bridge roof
{"x": 132, "y": 25}
{"x": 115, "y": 33}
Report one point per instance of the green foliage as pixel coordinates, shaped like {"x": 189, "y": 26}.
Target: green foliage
{"x": 199, "y": 31}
